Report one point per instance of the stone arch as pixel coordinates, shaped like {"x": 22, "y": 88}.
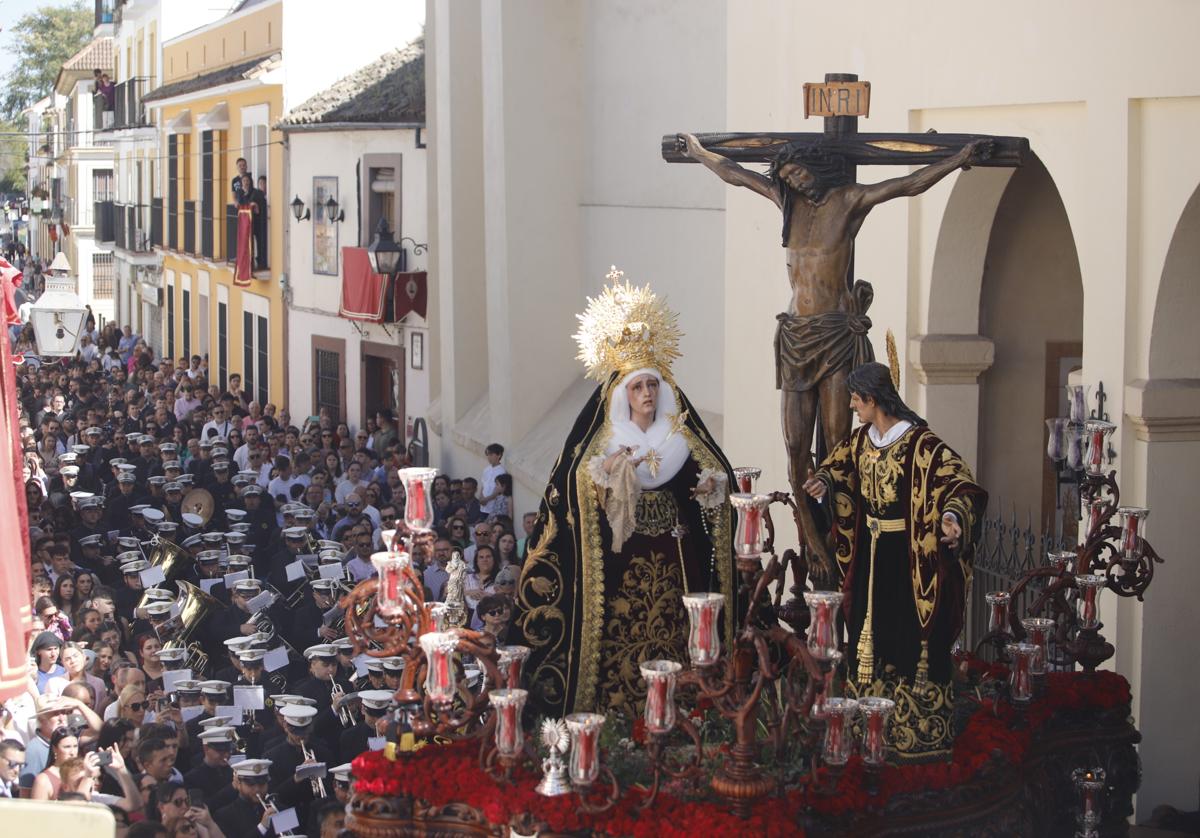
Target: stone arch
{"x": 1174, "y": 347}
{"x": 1165, "y": 414}
{"x": 1031, "y": 308}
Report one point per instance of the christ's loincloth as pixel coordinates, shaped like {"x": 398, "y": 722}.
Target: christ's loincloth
{"x": 810, "y": 347}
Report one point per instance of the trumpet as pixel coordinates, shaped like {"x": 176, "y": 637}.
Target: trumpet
{"x": 267, "y": 801}
{"x": 336, "y": 693}
{"x": 318, "y": 783}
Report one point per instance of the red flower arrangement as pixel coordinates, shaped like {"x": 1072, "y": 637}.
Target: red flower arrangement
{"x": 445, "y": 774}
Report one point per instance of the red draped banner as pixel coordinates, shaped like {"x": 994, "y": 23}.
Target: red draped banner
{"x": 16, "y": 618}
{"x": 364, "y": 292}
{"x": 245, "y": 245}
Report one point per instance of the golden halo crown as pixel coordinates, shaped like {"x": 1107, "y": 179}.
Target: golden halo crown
{"x": 626, "y": 328}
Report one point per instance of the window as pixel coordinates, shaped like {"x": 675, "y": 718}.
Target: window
{"x": 329, "y": 384}
{"x": 208, "y": 201}
{"x": 170, "y": 319}
{"x": 202, "y": 312}
{"x": 103, "y": 276}
{"x": 255, "y": 139}
{"x": 223, "y": 336}
{"x": 256, "y": 333}
{"x": 380, "y": 194}
{"x": 173, "y": 191}
{"x": 187, "y": 322}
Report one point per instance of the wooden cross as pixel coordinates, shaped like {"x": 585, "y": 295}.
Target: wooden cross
{"x": 841, "y": 100}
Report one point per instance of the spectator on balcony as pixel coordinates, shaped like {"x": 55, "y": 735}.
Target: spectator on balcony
{"x": 104, "y": 88}
{"x": 259, "y": 198}
{"x": 243, "y": 170}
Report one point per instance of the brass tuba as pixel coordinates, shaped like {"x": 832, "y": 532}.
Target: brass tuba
{"x": 173, "y": 559}
{"x": 195, "y": 607}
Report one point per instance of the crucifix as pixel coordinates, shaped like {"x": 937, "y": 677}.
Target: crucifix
{"x": 811, "y": 179}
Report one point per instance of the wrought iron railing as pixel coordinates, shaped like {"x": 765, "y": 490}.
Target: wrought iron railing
{"x": 131, "y": 231}
{"x": 130, "y": 112}
{"x": 1006, "y": 550}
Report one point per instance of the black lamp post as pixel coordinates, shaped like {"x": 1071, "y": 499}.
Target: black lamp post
{"x": 298, "y": 210}
{"x": 386, "y": 256}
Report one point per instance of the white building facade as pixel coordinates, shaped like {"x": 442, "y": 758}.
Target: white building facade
{"x": 372, "y": 163}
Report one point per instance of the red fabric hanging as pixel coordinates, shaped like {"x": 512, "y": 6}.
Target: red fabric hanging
{"x": 16, "y": 617}
{"x": 243, "y": 270}
{"x": 364, "y": 292}
{"x": 412, "y": 294}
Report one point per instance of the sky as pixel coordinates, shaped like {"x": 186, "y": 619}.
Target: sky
{"x": 10, "y": 12}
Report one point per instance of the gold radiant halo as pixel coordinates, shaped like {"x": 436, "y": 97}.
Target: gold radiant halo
{"x": 626, "y": 328}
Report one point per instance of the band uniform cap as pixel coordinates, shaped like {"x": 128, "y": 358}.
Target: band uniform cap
{"x": 321, "y": 650}
{"x": 135, "y": 566}
{"x": 376, "y": 699}
{"x": 341, "y": 773}
{"x": 126, "y": 477}
{"x": 258, "y": 769}
{"x": 192, "y": 520}
{"x": 152, "y": 515}
{"x": 158, "y": 609}
{"x": 217, "y": 733}
{"x": 90, "y": 540}
{"x": 157, "y": 480}
{"x": 235, "y": 515}
{"x": 69, "y": 471}
{"x": 298, "y": 715}
{"x": 395, "y": 664}
{"x": 251, "y": 655}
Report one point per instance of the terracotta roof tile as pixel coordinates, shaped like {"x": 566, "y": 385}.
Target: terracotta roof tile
{"x": 97, "y": 54}
{"x": 389, "y": 89}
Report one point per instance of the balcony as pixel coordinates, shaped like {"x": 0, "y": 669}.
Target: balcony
{"x": 105, "y": 221}
{"x": 102, "y": 116}
{"x": 131, "y": 229}
{"x": 128, "y": 110}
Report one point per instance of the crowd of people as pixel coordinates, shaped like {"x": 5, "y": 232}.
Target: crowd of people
{"x": 190, "y": 666}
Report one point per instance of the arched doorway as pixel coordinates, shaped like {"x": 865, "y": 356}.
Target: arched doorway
{"x": 1165, "y": 412}
{"x": 1031, "y": 308}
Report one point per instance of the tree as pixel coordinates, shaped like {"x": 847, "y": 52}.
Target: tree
{"x": 43, "y": 41}
{"x": 12, "y": 157}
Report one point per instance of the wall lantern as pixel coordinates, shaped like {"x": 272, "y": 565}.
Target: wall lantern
{"x": 298, "y": 210}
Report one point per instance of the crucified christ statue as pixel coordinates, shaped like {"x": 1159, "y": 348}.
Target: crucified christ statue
{"x": 823, "y": 333}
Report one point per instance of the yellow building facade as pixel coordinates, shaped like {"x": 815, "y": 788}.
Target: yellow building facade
{"x": 221, "y": 92}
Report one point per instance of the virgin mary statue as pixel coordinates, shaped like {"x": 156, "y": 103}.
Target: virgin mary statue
{"x": 635, "y": 515}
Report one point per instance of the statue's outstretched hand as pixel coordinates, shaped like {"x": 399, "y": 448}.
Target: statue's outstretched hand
{"x": 977, "y": 151}
{"x": 951, "y": 531}
{"x": 814, "y": 487}
{"x": 689, "y": 145}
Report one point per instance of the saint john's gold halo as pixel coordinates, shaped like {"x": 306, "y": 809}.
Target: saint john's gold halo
{"x": 626, "y": 328}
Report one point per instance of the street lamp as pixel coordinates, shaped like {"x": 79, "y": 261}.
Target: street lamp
{"x": 384, "y": 253}
{"x": 331, "y": 211}
{"x": 58, "y": 315}
{"x": 298, "y": 210}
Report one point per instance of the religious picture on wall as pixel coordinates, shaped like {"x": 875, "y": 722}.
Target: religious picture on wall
{"x": 325, "y": 229}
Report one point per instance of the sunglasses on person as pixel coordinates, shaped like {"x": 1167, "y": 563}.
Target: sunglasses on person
{"x": 181, "y": 802}
{"x": 458, "y": 527}
{"x": 13, "y": 764}
{"x": 138, "y": 706}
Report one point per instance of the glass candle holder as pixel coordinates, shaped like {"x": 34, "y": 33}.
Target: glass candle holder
{"x": 748, "y": 538}
{"x": 439, "y": 649}
{"x": 875, "y": 713}
{"x": 1133, "y": 532}
{"x": 1088, "y": 605}
{"x": 391, "y": 568}
{"x": 1077, "y": 396}
{"x": 1063, "y": 561}
{"x": 828, "y": 678}
{"x": 704, "y": 638}
{"x": 584, "y": 765}
{"x": 1056, "y": 444}
{"x": 998, "y": 602}
{"x": 1074, "y": 445}
{"x": 660, "y": 679}
{"x": 1020, "y": 674}
{"x": 512, "y": 663}
{"x": 510, "y": 736}
{"x": 388, "y": 537}
{"x": 745, "y": 477}
{"x": 1038, "y": 631}
{"x": 1089, "y": 784}
{"x": 839, "y": 740}
{"x": 438, "y": 612}
{"x": 822, "y": 624}
{"x": 418, "y": 497}
{"x": 1097, "y": 432}
{"x": 1094, "y": 512}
